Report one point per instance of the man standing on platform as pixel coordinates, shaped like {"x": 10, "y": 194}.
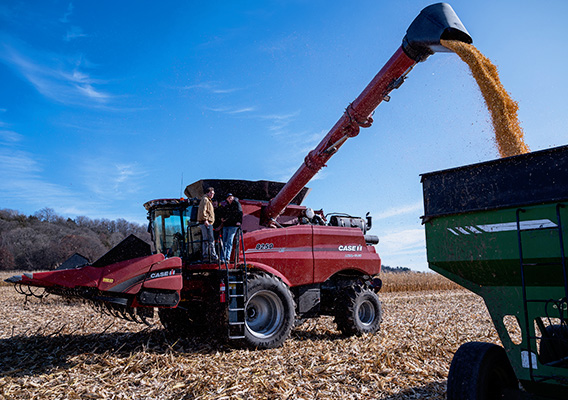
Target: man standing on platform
{"x": 206, "y": 218}
{"x": 232, "y": 220}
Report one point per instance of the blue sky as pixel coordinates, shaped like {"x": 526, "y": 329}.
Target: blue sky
{"x": 105, "y": 105}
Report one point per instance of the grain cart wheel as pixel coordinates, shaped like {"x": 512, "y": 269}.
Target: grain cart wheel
{"x": 554, "y": 344}
{"x": 481, "y": 371}
{"x": 270, "y": 312}
{"x": 358, "y": 311}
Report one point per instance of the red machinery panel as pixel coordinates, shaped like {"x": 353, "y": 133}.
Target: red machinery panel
{"x": 288, "y": 250}
{"x": 339, "y": 249}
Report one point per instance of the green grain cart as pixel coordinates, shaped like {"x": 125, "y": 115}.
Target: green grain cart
{"x": 500, "y": 229}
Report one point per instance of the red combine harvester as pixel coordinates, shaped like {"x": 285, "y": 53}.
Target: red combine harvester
{"x": 289, "y": 263}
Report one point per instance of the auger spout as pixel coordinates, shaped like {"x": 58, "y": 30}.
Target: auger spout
{"x": 435, "y": 22}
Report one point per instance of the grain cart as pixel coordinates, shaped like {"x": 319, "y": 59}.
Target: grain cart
{"x": 291, "y": 263}
{"x": 500, "y": 229}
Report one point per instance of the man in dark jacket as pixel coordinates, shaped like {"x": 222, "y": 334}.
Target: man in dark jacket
{"x": 232, "y": 220}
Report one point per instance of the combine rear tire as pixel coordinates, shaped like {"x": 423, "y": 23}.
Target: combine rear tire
{"x": 481, "y": 371}
{"x": 270, "y": 312}
{"x": 358, "y": 311}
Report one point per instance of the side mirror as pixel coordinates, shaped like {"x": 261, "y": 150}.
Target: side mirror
{"x": 369, "y": 221}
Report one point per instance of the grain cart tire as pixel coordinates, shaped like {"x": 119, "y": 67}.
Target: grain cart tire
{"x": 554, "y": 344}
{"x": 269, "y": 312}
{"x": 358, "y": 311}
{"x": 481, "y": 371}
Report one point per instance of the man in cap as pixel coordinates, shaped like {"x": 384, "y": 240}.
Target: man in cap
{"x": 232, "y": 220}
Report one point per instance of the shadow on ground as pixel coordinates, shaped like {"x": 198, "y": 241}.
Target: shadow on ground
{"x": 432, "y": 391}
{"x": 36, "y": 354}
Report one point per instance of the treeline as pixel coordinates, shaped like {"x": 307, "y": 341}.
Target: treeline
{"x": 386, "y": 268}
{"x": 45, "y": 239}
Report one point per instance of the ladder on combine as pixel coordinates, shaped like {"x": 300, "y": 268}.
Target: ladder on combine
{"x": 561, "y": 305}
{"x": 236, "y": 287}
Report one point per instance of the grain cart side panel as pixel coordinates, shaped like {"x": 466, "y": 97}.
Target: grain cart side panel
{"x": 500, "y": 229}
{"x": 471, "y": 218}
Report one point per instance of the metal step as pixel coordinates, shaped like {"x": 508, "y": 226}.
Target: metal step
{"x": 237, "y": 293}
{"x": 236, "y": 307}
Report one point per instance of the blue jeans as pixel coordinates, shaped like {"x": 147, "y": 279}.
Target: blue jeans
{"x": 207, "y": 243}
{"x": 228, "y": 236}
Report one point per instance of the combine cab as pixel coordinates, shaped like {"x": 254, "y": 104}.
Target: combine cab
{"x": 290, "y": 263}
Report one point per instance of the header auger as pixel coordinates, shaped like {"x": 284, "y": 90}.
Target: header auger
{"x": 275, "y": 277}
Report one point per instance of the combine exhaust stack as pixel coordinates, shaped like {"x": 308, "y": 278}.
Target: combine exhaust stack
{"x": 435, "y": 22}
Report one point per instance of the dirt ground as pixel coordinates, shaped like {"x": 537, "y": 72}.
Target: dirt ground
{"x": 59, "y": 349}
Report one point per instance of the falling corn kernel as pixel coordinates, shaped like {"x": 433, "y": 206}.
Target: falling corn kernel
{"x": 503, "y": 109}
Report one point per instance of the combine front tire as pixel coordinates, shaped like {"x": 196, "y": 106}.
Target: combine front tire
{"x": 358, "y": 311}
{"x": 270, "y": 312}
{"x": 481, "y": 371}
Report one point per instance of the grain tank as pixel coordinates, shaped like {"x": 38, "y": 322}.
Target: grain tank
{"x": 500, "y": 229}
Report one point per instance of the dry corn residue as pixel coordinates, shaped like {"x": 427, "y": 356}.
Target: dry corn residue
{"x": 503, "y": 109}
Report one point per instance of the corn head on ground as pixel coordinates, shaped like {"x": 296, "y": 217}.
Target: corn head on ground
{"x": 59, "y": 349}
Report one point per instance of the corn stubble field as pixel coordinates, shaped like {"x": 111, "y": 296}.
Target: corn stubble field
{"x": 60, "y": 349}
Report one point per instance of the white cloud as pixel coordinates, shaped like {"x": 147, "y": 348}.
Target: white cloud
{"x": 279, "y": 122}
{"x": 68, "y": 13}
{"x": 404, "y": 248}
{"x": 9, "y": 136}
{"x": 231, "y": 110}
{"x": 112, "y": 181}
{"x": 211, "y": 87}
{"x": 57, "y": 77}
{"x": 401, "y": 242}
{"x": 241, "y": 110}
{"x": 74, "y": 32}
{"x": 23, "y": 183}
{"x": 400, "y": 210}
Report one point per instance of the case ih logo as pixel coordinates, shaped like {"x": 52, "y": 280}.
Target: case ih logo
{"x": 162, "y": 274}
{"x": 350, "y": 248}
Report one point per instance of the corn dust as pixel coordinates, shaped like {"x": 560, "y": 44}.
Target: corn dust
{"x": 503, "y": 109}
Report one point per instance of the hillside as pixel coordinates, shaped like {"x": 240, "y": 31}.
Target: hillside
{"x": 45, "y": 239}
